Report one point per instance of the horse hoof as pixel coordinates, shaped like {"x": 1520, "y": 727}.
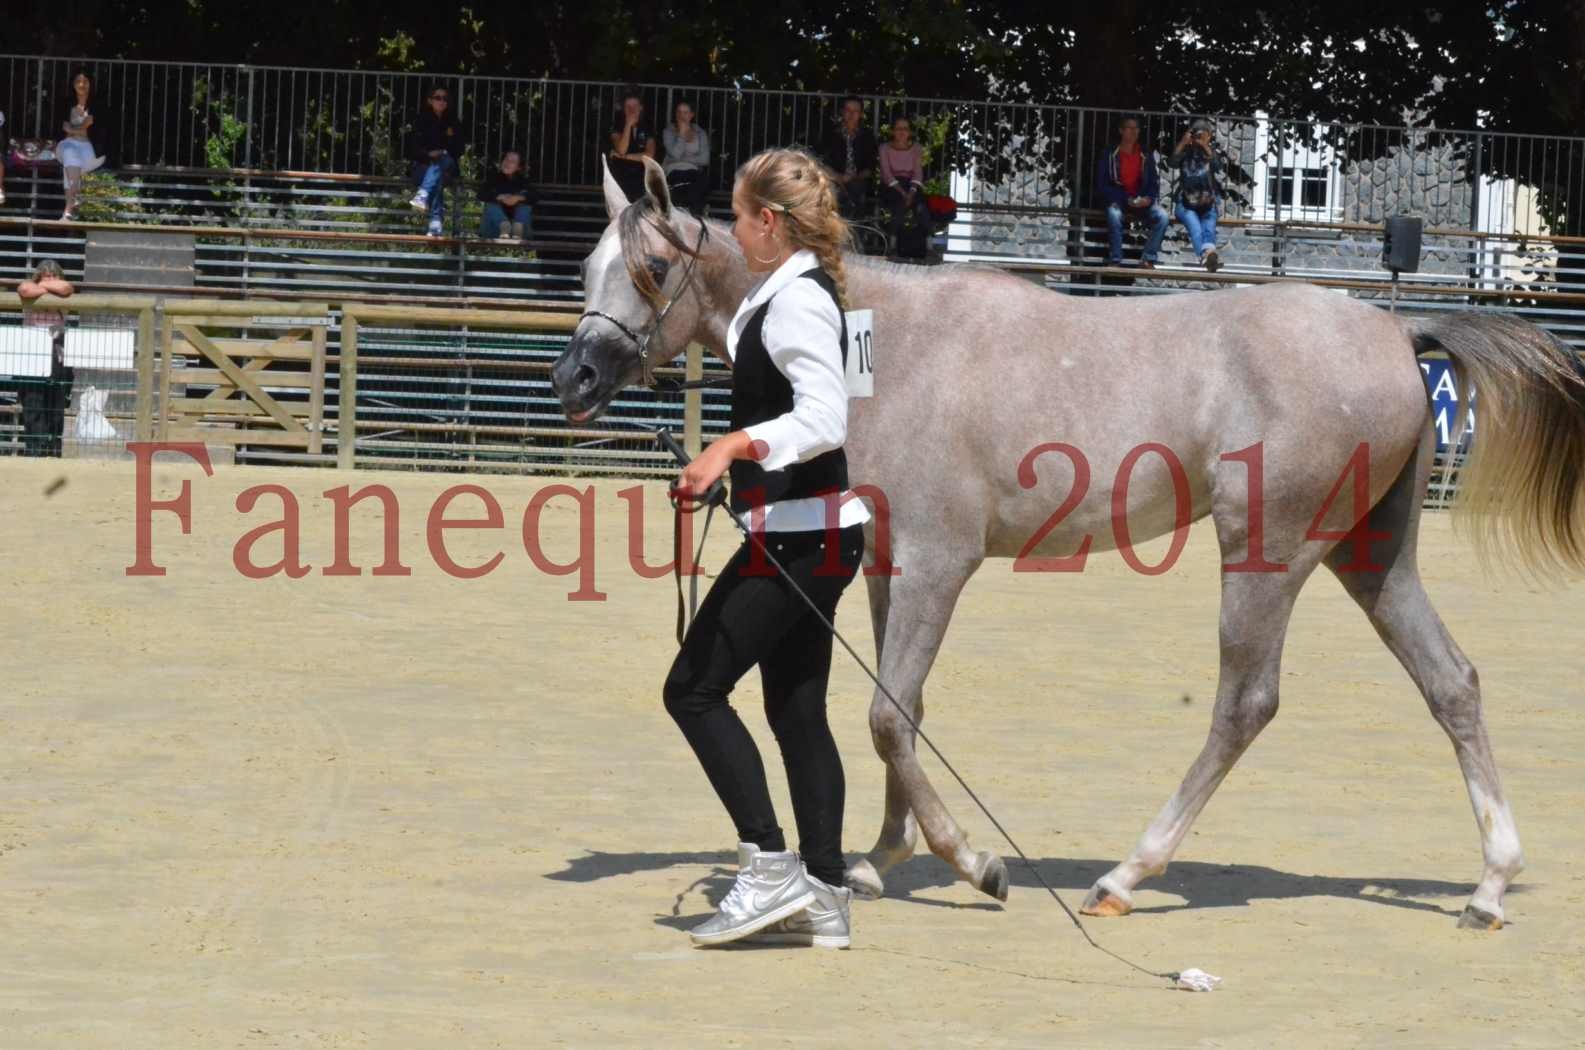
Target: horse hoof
{"x": 992, "y": 875}
{"x": 864, "y": 881}
{"x": 1106, "y": 904}
{"x": 1478, "y": 919}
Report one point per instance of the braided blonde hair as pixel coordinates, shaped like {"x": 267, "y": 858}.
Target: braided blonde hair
{"x": 796, "y": 185}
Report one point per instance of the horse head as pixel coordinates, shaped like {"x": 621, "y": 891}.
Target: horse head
{"x": 647, "y": 295}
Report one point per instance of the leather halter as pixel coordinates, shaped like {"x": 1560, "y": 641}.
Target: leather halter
{"x": 641, "y": 342}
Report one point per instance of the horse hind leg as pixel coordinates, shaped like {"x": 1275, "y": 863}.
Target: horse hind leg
{"x": 899, "y": 832}
{"x": 1393, "y": 597}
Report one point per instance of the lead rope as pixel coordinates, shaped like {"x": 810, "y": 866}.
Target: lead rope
{"x": 693, "y": 567}
{"x": 1191, "y": 979}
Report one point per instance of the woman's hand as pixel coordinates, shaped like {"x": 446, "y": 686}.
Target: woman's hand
{"x": 707, "y": 468}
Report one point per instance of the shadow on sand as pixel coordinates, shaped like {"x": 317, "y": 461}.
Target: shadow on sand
{"x": 1201, "y": 885}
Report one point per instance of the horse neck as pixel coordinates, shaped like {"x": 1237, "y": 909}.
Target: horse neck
{"x": 726, "y": 281}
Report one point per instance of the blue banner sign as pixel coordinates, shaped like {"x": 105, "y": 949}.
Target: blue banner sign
{"x": 1444, "y": 402}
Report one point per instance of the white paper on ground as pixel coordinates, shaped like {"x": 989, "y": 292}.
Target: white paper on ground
{"x": 1195, "y": 979}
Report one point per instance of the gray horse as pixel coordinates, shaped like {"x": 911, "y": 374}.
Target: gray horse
{"x": 1008, "y": 421}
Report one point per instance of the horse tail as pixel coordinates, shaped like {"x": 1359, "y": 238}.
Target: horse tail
{"x": 1521, "y": 493}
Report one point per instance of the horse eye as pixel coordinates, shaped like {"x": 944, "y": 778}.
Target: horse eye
{"x": 657, "y": 268}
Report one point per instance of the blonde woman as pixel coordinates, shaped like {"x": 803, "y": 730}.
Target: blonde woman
{"x": 788, "y": 472}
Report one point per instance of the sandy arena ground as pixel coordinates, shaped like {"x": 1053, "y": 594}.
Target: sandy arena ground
{"x": 430, "y": 812}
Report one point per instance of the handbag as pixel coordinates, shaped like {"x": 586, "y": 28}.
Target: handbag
{"x": 31, "y": 153}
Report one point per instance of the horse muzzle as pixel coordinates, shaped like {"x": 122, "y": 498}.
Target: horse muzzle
{"x": 587, "y": 375}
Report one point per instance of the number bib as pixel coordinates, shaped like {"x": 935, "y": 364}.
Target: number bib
{"x": 861, "y": 353}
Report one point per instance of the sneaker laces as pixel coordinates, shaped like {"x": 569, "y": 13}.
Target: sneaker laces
{"x": 737, "y": 897}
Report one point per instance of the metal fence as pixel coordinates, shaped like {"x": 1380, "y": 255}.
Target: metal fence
{"x": 69, "y": 381}
{"x": 356, "y": 121}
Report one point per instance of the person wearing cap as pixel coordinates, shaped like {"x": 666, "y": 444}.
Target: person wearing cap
{"x": 1129, "y": 185}
{"x": 1196, "y": 198}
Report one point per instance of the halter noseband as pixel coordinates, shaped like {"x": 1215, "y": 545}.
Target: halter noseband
{"x": 645, "y": 372}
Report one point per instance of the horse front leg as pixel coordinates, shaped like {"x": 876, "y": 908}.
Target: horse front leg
{"x": 899, "y": 831}
{"x": 920, "y": 608}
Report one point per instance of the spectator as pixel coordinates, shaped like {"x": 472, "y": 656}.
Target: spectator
{"x": 438, "y": 144}
{"x": 631, "y": 141}
{"x": 508, "y": 201}
{"x": 687, "y": 158}
{"x": 3, "y": 152}
{"x": 1129, "y": 185}
{"x": 902, "y": 179}
{"x": 1196, "y": 197}
{"x": 850, "y": 152}
{"x": 44, "y": 403}
{"x": 84, "y": 144}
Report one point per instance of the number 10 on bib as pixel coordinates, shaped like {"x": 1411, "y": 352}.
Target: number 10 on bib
{"x": 861, "y": 353}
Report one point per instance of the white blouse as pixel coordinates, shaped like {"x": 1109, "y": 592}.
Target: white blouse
{"x": 803, "y": 336}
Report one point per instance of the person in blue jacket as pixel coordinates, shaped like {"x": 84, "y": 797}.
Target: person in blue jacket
{"x": 1129, "y": 185}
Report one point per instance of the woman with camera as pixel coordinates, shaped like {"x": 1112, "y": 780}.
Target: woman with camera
{"x": 1196, "y": 199}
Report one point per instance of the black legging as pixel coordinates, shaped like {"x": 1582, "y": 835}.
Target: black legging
{"x": 751, "y": 616}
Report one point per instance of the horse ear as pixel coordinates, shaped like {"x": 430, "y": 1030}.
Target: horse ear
{"x": 615, "y": 199}
{"x": 655, "y": 186}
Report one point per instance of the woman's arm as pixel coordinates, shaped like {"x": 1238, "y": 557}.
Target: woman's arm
{"x": 28, "y": 291}
{"x": 619, "y": 140}
{"x": 802, "y": 333}
{"x": 803, "y": 336}
{"x": 888, "y": 177}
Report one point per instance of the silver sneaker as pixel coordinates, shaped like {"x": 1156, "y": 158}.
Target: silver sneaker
{"x": 823, "y": 924}
{"x": 771, "y": 888}
{"x": 420, "y": 201}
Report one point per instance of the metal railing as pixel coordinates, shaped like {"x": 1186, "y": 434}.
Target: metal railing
{"x": 293, "y": 382}
{"x": 356, "y": 121}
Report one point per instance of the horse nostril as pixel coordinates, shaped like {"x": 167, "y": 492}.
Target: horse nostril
{"x": 584, "y": 378}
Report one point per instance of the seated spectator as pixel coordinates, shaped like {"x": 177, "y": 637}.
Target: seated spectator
{"x": 508, "y": 201}
{"x": 438, "y": 144}
{"x": 849, "y": 150}
{"x": 902, "y": 179}
{"x": 1195, "y": 200}
{"x": 84, "y": 144}
{"x": 1129, "y": 185}
{"x": 631, "y": 142}
{"x": 44, "y": 401}
{"x": 687, "y": 163}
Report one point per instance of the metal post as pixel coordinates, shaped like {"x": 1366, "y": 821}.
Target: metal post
{"x": 347, "y": 393}
{"x": 693, "y": 401}
{"x": 1477, "y": 253}
{"x": 143, "y": 405}
{"x": 247, "y": 141}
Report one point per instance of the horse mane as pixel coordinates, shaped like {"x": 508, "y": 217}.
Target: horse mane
{"x": 630, "y": 237}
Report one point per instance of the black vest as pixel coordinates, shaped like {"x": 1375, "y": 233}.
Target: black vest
{"x": 759, "y": 393}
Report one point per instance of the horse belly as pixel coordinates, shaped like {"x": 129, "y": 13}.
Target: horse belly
{"x": 1112, "y": 507}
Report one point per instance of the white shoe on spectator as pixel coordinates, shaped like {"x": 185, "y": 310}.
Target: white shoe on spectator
{"x": 420, "y": 201}
{"x": 517, "y": 231}
{"x": 505, "y": 234}
{"x": 434, "y": 228}
{"x": 2, "y": 195}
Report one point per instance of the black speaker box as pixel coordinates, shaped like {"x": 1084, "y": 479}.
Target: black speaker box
{"x": 1400, "y": 244}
